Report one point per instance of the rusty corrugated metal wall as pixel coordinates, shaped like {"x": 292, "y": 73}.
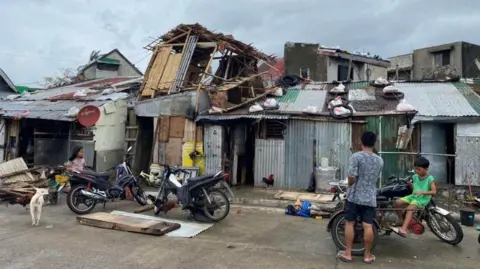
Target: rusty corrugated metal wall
{"x": 467, "y": 168}
{"x": 394, "y": 164}
{"x": 269, "y": 159}
{"x": 213, "y": 148}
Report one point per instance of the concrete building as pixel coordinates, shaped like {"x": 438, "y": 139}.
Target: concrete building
{"x": 320, "y": 63}
{"x": 437, "y": 62}
{"x": 109, "y": 65}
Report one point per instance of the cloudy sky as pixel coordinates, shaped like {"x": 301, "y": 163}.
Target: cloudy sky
{"x": 40, "y": 37}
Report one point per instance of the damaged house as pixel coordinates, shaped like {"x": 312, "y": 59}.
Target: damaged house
{"x": 192, "y": 71}
{"x": 44, "y": 126}
{"x": 293, "y": 144}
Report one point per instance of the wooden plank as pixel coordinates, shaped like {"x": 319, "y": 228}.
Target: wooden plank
{"x": 312, "y": 197}
{"x": 156, "y": 70}
{"x": 177, "y": 126}
{"x": 190, "y": 131}
{"x": 173, "y": 151}
{"x": 164, "y": 128}
{"x": 15, "y": 165}
{"x": 127, "y": 224}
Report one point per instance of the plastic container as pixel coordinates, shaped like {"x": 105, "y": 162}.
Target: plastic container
{"x": 324, "y": 175}
{"x": 467, "y": 217}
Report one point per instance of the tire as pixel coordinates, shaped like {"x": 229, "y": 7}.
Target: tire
{"x": 209, "y": 214}
{"x": 479, "y": 238}
{"x": 340, "y": 245}
{"x": 71, "y": 195}
{"x": 289, "y": 81}
{"x": 393, "y": 96}
{"x": 456, "y": 226}
{"x": 139, "y": 195}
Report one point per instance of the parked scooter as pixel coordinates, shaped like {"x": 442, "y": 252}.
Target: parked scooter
{"x": 90, "y": 188}
{"x": 438, "y": 220}
{"x": 196, "y": 194}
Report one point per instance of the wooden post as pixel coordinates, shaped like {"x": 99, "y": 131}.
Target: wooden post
{"x": 228, "y": 65}
{"x": 396, "y": 72}
{"x": 349, "y": 67}
{"x": 197, "y": 99}
{"x": 157, "y": 128}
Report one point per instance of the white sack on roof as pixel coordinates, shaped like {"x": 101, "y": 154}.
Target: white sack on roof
{"x": 340, "y": 111}
{"x": 335, "y": 102}
{"x": 270, "y": 103}
{"x": 403, "y": 106}
{"x": 338, "y": 89}
{"x": 80, "y": 93}
{"x": 255, "y": 108}
{"x": 381, "y": 81}
{"x": 72, "y": 112}
{"x": 390, "y": 89}
{"x": 278, "y": 92}
{"x": 311, "y": 109}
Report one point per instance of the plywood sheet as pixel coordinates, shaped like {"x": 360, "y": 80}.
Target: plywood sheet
{"x": 127, "y": 223}
{"x": 311, "y": 197}
{"x": 15, "y": 165}
{"x": 170, "y": 72}
{"x": 189, "y": 134}
{"x": 157, "y": 67}
{"x": 173, "y": 151}
{"x": 163, "y": 129}
{"x": 177, "y": 126}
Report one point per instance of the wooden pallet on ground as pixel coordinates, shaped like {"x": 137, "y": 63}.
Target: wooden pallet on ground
{"x": 127, "y": 223}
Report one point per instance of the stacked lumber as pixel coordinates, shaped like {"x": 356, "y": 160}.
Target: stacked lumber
{"x": 17, "y": 179}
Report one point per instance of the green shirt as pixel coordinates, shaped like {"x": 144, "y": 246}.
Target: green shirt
{"x": 422, "y": 185}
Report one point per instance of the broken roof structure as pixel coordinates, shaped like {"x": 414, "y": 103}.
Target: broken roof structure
{"x": 182, "y": 62}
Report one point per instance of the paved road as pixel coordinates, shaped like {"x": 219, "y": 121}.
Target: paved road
{"x": 246, "y": 239}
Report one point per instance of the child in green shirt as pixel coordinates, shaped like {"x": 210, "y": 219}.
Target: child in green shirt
{"x": 423, "y": 189}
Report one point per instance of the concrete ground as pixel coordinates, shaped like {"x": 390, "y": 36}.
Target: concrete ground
{"x": 248, "y": 238}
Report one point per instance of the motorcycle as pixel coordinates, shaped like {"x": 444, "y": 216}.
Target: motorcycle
{"x": 90, "y": 188}
{"x": 196, "y": 194}
{"x": 438, "y": 220}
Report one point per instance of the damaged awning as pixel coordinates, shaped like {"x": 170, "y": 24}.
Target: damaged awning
{"x": 181, "y": 104}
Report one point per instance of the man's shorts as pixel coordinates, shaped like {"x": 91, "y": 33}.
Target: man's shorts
{"x": 354, "y": 211}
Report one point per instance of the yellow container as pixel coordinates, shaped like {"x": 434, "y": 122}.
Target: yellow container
{"x": 187, "y": 149}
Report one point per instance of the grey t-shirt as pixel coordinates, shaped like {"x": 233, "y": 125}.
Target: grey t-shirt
{"x": 366, "y": 167}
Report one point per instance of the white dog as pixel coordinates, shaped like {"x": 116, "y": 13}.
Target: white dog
{"x": 36, "y": 205}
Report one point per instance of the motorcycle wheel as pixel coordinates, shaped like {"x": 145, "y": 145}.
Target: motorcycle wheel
{"x": 139, "y": 195}
{"x": 209, "y": 212}
{"x": 73, "y": 194}
{"x": 338, "y": 226}
{"x": 436, "y": 231}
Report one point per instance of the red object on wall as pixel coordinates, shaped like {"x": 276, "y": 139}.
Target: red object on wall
{"x": 88, "y": 115}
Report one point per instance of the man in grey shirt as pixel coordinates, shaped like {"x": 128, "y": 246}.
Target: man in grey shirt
{"x": 364, "y": 168}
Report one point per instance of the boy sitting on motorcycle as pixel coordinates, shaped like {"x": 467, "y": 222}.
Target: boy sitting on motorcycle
{"x": 423, "y": 189}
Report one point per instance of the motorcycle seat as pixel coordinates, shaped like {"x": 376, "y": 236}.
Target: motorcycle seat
{"x": 96, "y": 174}
{"x": 382, "y": 198}
{"x": 198, "y": 179}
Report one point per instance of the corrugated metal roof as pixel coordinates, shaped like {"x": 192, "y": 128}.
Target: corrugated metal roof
{"x": 67, "y": 92}
{"x": 297, "y": 100}
{"x": 43, "y": 109}
{"x": 437, "y": 99}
